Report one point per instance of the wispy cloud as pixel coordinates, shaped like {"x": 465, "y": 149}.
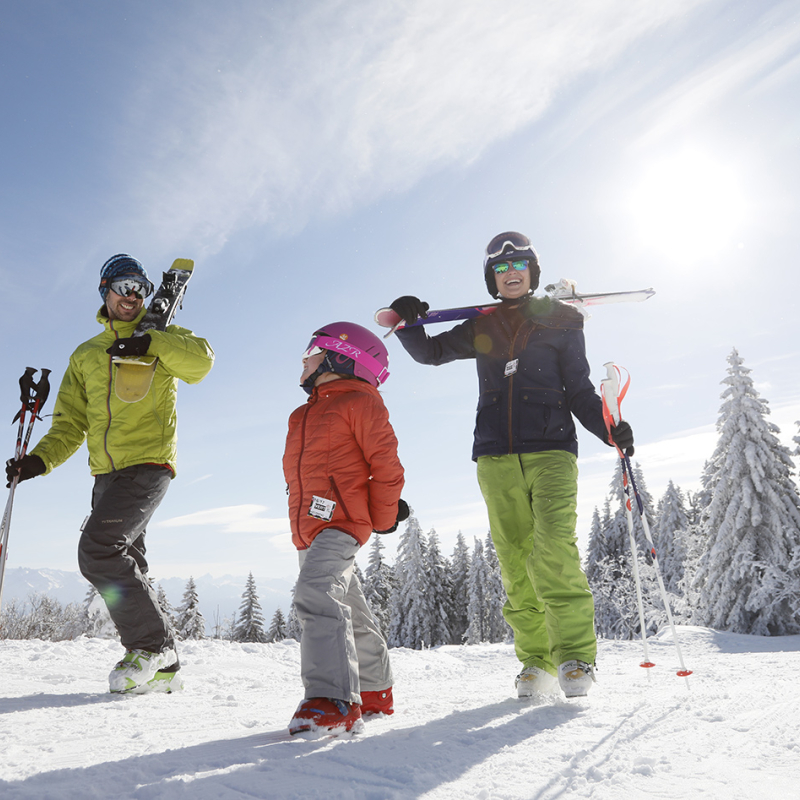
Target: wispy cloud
{"x": 270, "y": 117}
{"x": 246, "y": 518}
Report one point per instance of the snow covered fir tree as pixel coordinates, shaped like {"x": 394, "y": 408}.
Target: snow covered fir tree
{"x": 729, "y": 555}
{"x": 249, "y": 626}
{"x": 748, "y": 579}
{"x": 189, "y": 622}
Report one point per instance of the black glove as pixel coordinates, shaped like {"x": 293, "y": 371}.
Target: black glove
{"x": 402, "y": 515}
{"x": 623, "y": 437}
{"x": 133, "y": 346}
{"x": 25, "y": 467}
{"x": 410, "y": 308}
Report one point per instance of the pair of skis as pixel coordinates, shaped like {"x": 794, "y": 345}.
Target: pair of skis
{"x": 612, "y": 396}
{"x": 565, "y": 291}
{"x": 33, "y": 396}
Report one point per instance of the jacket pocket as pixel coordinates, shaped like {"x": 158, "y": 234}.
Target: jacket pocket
{"x": 490, "y": 419}
{"x": 339, "y": 498}
{"x": 543, "y": 416}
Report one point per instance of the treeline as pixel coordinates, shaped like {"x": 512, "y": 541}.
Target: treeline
{"x": 729, "y": 557}
{"x": 424, "y": 599}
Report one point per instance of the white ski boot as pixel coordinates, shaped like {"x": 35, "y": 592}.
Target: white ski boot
{"x": 576, "y": 678}
{"x": 138, "y": 667}
{"x": 533, "y": 681}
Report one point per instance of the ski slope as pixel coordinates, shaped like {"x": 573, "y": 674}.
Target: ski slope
{"x": 458, "y": 731}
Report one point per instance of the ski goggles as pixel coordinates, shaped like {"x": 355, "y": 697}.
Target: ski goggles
{"x": 128, "y": 285}
{"x": 321, "y": 342}
{"x": 313, "y": 350}
{"x": 516, "y": 241}
{"x": 504, "y": 266}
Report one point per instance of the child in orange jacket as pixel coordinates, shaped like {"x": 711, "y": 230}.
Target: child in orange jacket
{"x": 344, "y": 480}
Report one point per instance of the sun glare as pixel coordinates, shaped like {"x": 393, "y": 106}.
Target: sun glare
{"x": 689, "y": 204}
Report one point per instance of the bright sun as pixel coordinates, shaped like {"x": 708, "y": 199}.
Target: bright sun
{"x": 689, "y": 204}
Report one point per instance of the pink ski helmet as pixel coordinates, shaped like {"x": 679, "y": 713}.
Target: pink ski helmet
{"x": 352, "y": 350}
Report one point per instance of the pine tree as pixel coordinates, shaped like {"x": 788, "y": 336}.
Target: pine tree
{"x": 459, "y": 577}
{"x": 609, "y": 568}
{"x": 277, "y": 628}
{"x": 486, "y": 596}
{"x": 747, "y": 579}
{"x": 499, "y": 630}
{"x": 250, "y": 624}
{"x": 479, "y": 628}
{"x": 409, "y": 607}
{"x": 439, "y": 595}
{"x": 378, "y": 585}
{"x": 189, "y": 623}
{"x": 165, "y": 606}
{"x": 294, "y": 630}
{"x": 672, "y": 530}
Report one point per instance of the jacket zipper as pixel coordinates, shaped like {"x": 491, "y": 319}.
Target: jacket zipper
{"x": 511, "y": 395}
{"x": 299, "y": 473}
{"x": 511, "y": 385}
{"x": 108, "y": 400}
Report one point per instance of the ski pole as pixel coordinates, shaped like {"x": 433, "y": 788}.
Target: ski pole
{"x": 682, "y": 672}
{"x": 627, "y": 471}
{"x": 33, "y": 396}
{"x": 610, "y": 392}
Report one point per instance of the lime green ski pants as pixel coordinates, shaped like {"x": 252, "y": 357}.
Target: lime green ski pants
{"x": 532, "y": 499}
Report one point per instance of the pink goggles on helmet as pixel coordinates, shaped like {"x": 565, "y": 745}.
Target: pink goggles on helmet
{"x": 322, "y": 342}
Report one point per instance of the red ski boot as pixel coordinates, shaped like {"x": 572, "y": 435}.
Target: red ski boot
{"x": 320, "y": 714}
{"x": 377, "y": 702}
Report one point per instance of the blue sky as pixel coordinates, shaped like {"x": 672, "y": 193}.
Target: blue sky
{"x": 319, "y": 159}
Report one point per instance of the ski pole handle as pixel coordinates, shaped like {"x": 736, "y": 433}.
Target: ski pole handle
{"x": 609, "y": 391}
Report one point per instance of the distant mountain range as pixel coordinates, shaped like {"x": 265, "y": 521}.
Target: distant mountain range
{"x": 219, "y": 597}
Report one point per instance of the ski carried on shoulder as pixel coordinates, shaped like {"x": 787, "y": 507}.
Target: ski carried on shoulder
{"x": 134, "y": 374}
{"x": 564, "y": 291}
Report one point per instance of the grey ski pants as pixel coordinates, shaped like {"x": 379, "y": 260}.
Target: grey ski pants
{"x": 342, "y": 650}
{"x": 111, "y": 553}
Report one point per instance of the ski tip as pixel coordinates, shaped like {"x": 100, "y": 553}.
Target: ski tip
{"x": 186, "y": 264}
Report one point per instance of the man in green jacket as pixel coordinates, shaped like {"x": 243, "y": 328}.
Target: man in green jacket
{"x": 132, "y": 450}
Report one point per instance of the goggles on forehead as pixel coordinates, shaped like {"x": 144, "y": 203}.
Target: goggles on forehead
{"x": 503, "y": 266}
{"x": 321, "y": 342}
{"x": 312, "y": 350}
{"x": 515, "y": 241}
{"x": 128, "y": 285}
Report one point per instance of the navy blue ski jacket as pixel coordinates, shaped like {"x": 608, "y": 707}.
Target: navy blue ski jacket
{"x": 532, "y": 372}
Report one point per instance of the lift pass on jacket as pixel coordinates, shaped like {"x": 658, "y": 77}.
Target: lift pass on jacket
{"x": 321, "y": 508}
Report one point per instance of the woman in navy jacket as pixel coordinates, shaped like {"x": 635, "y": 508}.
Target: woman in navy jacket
{"x": 533, "y": 377}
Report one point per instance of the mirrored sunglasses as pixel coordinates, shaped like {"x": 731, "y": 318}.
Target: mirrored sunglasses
{"x": 503, "y": 266}
{"x": 127, "y": 286}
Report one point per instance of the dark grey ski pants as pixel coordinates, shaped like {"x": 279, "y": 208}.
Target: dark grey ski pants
{"x": 111, "y": 553}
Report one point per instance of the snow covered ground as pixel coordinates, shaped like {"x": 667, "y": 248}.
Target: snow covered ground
{"x": 458, "y": 731}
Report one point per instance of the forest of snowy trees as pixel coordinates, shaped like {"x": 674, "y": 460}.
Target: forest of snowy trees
{"x": 729, "y": 557}
{"x": 729, "y": 554}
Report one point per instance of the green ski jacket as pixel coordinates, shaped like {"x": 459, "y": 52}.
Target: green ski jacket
{"x": 121, "y": 434}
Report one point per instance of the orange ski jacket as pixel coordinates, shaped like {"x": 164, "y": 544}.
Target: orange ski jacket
{"x": 341, "y": 447}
